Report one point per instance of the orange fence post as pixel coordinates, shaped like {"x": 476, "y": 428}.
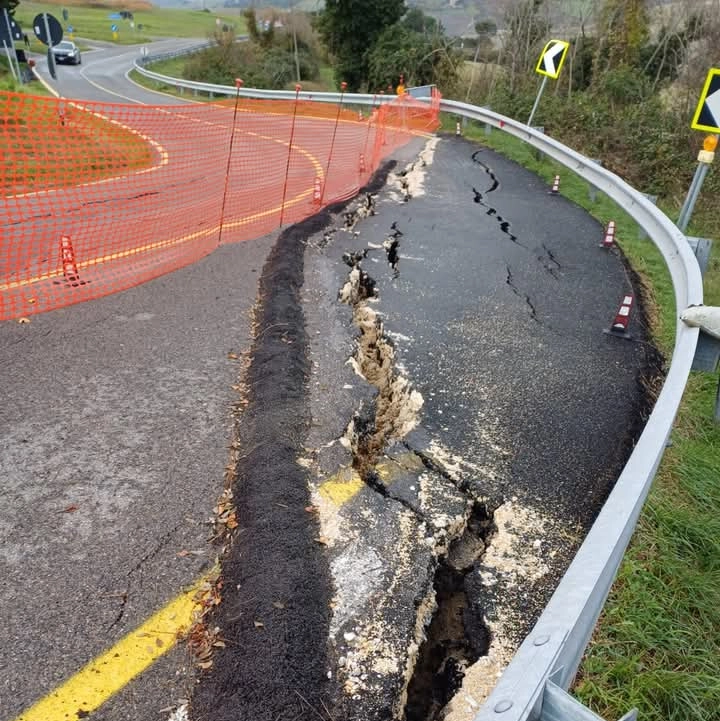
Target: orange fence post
{"x": 343, "y": 88}
{"x": 238, "y": 85}
{"x": 298, "y": 88}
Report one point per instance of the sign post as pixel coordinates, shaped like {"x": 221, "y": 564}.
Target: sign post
{"x": 48, "y": 31}
{"x": 549, "y": 66}
{"x": 10, "y": 32}
{"x": 707, "y": 118}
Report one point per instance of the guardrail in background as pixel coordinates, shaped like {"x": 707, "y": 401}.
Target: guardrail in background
{"x": 149, "y": 58}
{"x": 533, "y": 685}
{"x": 98, "y": 197}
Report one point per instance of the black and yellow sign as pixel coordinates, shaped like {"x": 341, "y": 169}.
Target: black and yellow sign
{"x": 707, "y": 113}
{"x": 552, "y": 58}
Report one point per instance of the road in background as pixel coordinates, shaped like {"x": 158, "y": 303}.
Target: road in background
{"x": 102, "y": 75}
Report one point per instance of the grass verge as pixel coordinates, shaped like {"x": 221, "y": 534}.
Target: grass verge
{"x": 175, "y": 68}
{"x": 79, "y": 146}
{"x": 657, "y": 645}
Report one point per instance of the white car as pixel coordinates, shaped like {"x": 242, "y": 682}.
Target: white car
{"x": 67, "y": 52}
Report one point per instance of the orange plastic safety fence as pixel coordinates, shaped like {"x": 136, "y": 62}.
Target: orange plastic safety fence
{"x": 99, "y": 197}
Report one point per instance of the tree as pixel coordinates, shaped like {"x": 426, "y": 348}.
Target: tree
{"x": 624, "y": 27}
{"x": 422, "y": 60}
{"x": 527, "y": 29}
{"x": 415, "y": 19}
{"x": 350, "y": 29}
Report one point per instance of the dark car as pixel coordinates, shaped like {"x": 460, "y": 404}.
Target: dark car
{"x": 67, "y": 52}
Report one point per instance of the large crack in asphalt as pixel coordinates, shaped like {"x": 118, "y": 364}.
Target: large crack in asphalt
{"x": 395, "y": 409}
{"x": 450, "y": 633}
{"x": 457, "y": 635}
{"x": 546, "y": 258}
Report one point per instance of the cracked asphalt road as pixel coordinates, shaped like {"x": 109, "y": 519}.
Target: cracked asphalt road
{"x": 443, "y": 499}
{"x": 494, "y": 297}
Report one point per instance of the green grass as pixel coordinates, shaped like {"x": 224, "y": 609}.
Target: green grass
{"x": 8, "y": 83}
{"x": 93, "y": 23}
{"x": 657, "y": 646}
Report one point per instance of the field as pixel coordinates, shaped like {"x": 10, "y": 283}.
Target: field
{"x": 149, "y": 22}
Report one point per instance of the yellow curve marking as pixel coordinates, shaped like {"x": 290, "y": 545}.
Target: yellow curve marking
{"x": 346, "y": 483}
{"x": 107, "y": 674}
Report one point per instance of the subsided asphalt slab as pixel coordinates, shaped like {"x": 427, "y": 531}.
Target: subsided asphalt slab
{"x": 493, "y": 298}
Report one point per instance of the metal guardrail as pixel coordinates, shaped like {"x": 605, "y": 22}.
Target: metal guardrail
{"x": 159, "y": 57}
{"x": 151, "y": 58}
{"x": 533, "y": 685}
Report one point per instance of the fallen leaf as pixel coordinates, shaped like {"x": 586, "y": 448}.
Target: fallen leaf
{"x": 159, "y": 642}
{"x": 206, "y": 664}
{"x": 70, "y": 509}
{"x": 219, "y": 644}
{"x": 322, "y": 540}
{"x": 23, "y": 320}
{"x": 311, "y": 509}
{"x": 259, "y": 624}
{"x": 32, "y": 300}
{"x": 182, "y": 554}
{"x": 278, "y": 604}
{"x": 232, "y": 356}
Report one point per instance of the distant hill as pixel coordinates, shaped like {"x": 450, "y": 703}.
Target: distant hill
{"x": 457, "y": 16}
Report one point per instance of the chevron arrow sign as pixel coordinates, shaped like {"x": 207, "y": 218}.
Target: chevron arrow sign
{"x": 552, "y": 58}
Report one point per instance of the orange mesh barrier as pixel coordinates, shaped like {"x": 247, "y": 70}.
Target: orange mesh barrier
{"x": 99, "y": 197}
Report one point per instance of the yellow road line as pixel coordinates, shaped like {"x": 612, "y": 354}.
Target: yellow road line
{"x": 107, "y": 674}
{"x": 103, "y": 677}
{"x": 341, "y": 487}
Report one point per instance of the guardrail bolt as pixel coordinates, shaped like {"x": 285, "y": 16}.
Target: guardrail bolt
{"x": 502, "y": 706}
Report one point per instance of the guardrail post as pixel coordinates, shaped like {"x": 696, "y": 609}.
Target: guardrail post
{"x": 701, "y": 247}
{"x": 558, "y": 705}
{"x": 539, "y": 155}
{"x": 592, "y": 190}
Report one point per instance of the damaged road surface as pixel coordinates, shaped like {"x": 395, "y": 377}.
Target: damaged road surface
{"x": 435, "y": 418}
